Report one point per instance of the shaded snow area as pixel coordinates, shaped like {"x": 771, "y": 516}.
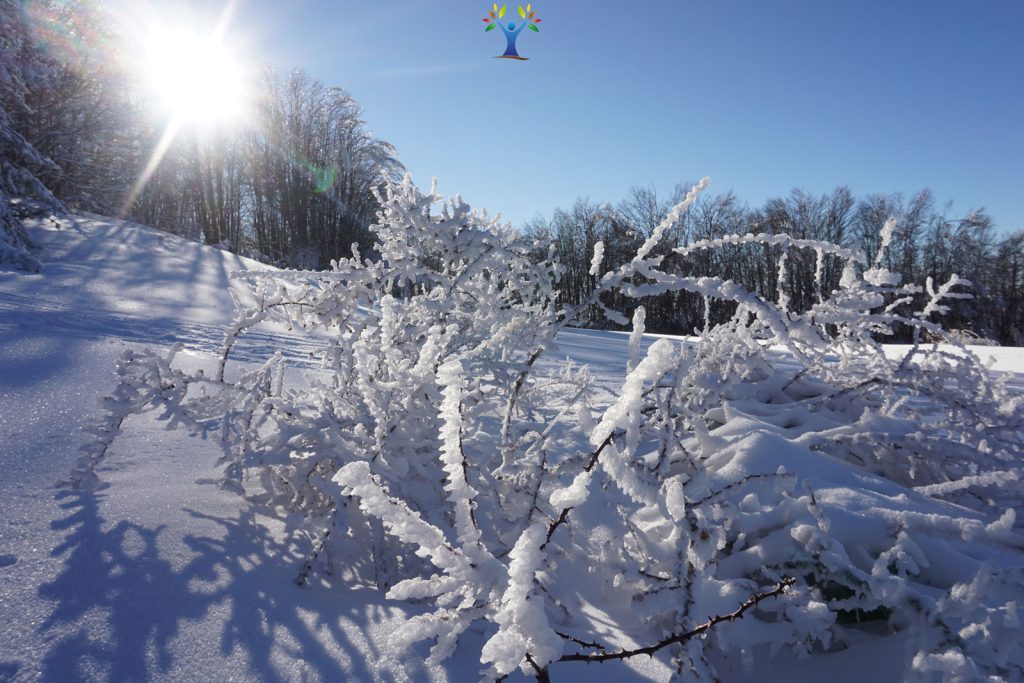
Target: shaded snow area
{"x": 163, "y": 573}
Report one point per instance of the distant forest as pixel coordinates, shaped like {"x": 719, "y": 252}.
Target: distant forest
{"x": 294, "y": 188}
{"x": 928, "y": 242}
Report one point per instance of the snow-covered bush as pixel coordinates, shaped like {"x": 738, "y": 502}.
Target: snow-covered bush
{"x": 774, "y": 483}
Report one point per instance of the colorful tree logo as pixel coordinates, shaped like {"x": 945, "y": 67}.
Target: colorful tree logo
{"x": 510, "y": 29}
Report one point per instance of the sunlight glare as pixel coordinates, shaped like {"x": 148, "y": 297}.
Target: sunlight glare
{"x": 197, "y": 80}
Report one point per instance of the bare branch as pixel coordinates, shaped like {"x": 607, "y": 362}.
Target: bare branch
{"x": 751, "y": 602}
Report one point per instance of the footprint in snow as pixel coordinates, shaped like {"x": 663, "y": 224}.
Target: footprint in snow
{"x": 7, "y": 560}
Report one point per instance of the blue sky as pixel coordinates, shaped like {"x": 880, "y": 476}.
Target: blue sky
{"x": 762, "y": 95}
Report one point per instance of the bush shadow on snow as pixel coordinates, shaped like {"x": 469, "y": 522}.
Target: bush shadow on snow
{"x": 269, "y": 623}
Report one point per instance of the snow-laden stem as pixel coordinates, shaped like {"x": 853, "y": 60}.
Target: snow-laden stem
{"x": 563, "y": 516}
{"x": 639, "y": 264}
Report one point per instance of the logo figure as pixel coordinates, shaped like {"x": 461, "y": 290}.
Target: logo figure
{"x": 510, "y": 29}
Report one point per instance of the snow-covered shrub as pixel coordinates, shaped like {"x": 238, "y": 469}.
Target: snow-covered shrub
{"x": 772, "y": 484}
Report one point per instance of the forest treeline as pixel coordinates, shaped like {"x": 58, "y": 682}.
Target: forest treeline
{"x": 929, "y": 242}
{"x": 293, "y": 187}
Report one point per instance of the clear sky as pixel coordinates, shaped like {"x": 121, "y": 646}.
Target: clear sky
{"x": 762, "y": 95}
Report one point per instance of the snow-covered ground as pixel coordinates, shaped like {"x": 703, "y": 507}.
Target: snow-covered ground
{"x": 163, "y": 575}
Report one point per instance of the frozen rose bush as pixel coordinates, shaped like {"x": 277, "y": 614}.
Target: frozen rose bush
{"x": 779, "y": 481}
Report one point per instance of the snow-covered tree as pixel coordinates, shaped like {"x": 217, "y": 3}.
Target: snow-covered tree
{"x": 22, "y": 67}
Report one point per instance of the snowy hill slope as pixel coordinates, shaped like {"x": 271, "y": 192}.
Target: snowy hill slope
{"x": 157, "y": 577}
{"x": 163, "y": 575}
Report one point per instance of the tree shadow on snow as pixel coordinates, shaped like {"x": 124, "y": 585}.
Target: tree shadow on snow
{"x": 120, "y": 603}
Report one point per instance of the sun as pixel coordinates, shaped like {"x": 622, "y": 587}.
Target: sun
{"x": 196, "y": 79}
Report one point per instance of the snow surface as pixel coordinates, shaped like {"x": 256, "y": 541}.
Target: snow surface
{"x": 162, "y": 575}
